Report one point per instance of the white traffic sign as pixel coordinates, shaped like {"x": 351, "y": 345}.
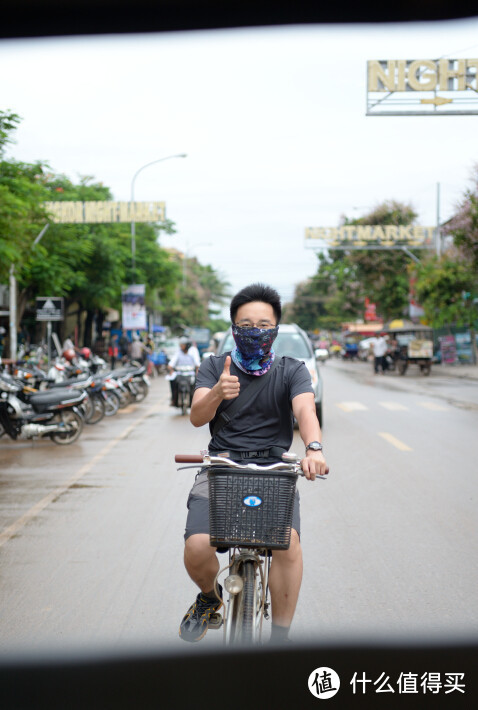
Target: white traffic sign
{"x": 49, "y": 308}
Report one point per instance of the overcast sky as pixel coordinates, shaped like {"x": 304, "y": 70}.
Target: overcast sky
{"x": 273, "y": 122}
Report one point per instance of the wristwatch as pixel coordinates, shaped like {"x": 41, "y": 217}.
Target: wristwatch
{"x": 314, "y": 445}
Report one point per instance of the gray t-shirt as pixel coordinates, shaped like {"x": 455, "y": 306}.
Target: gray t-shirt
{"x": 267, "y": 419}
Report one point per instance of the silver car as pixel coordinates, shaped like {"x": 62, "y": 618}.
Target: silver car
{"x": 291, "y": 341}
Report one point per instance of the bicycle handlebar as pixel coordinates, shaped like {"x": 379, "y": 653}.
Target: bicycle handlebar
{"x": 189, "y": 458}
{"x": 207, "y": 461}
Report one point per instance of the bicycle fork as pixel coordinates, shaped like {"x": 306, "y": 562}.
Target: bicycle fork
{"x": 247, "y": 586}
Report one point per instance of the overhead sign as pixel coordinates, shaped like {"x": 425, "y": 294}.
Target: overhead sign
{"x": 49, "y": 308}
{"x": 64, "y": 212}
{"x": 422, "y": 87}
{"x": 374, "y": 236}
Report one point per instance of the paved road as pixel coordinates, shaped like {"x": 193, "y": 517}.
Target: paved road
{"x": 91, "y": 534}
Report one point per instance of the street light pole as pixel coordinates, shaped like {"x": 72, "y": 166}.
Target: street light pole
{"x": 13, "y": 301}
{"x": 133, "y": 230}
{"x": 438, "y": 236}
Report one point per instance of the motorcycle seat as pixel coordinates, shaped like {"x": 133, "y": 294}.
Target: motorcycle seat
{"x": 42, "y": 399}
{"x": 67, "y": 383}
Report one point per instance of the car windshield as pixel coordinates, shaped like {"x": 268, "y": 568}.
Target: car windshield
{"x": 288, "y": 344}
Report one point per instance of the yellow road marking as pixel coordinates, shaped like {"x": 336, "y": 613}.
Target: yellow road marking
{"x": 352, "y": 406}
{"x": 433, "y": 406}
{"x": 394, "y": 441}
{"x": 12, "y": 529}
{"x": 394, "y": 406}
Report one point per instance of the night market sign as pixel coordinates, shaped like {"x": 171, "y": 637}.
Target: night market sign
{"x": 376, "y": 236}
{"x": 104, "y": 211}
{"x": 423, "y": 87}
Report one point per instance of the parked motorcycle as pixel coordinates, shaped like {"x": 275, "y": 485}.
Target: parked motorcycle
{"x": 134, "y": 380}
{"x": 95, "y": 407}
{"x": 55, "y": 414}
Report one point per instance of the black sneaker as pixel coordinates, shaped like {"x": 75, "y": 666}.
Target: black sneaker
{"x": 195, "y": 623}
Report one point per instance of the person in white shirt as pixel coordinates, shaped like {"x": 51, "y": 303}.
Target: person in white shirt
{"x": 181, "y": 358}
{"x": 380, "y": 346}
{"x": 194, "y": 353}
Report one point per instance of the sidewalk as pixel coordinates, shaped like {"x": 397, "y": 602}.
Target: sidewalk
{"x": 466, "y": 372}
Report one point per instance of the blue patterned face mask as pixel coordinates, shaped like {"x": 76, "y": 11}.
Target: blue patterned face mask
{"x": 253, "y": 352}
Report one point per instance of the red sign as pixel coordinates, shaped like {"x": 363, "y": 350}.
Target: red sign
{"x": 370, "y": 311}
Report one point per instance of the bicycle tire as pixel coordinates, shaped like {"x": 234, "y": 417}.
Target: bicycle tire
{"x": 247, "y": 620}
{"x": 241, "y": 625}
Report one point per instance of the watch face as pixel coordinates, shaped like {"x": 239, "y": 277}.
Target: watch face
{"x": 315, "y": 446}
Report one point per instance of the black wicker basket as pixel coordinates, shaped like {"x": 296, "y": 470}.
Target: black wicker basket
{"x": 251, "y": 509}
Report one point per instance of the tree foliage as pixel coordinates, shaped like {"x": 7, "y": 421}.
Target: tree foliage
{"x": 463, "y": 226}
{"x": 88, "y": 264}
{"x": 337, "y": 292}
{"x": 21, "y": 201}
{"x": 197, "y": 298}
{"x": 441, "y": 287}
{"x": 447, "y": 287}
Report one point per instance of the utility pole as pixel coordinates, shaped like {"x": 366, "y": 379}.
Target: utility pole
{"x": 13, "y": 314}
{"x": 438, "y": 234}
{"x": 13, "y": 302}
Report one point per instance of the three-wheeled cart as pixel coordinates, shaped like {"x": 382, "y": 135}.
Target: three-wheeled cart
{"x": 414, "y": 346}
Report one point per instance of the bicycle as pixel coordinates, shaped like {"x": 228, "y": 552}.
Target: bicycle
{"x": 250, "y": 514}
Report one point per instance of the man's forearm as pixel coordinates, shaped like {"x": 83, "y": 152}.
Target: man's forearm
{"x": 204, "y": 408}
{"x": 309, "y": 427}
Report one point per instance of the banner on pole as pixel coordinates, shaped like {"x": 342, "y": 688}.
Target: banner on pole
{"x": 134, "y": 307}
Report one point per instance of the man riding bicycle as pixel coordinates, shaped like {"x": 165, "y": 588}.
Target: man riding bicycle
{"x": 261, "y": 432}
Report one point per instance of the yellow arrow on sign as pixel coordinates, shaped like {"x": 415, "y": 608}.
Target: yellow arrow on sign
{"x": 438, "y": 101}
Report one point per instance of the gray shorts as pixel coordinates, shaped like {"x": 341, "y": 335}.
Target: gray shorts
{"x": 198, "y": 508}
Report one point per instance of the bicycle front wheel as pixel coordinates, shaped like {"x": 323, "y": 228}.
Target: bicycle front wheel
{"x": 243, "y": 627}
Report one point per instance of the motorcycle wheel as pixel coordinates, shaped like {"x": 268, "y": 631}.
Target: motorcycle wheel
{"x": 182, "y": 401}
{"x": 73, "y": 428}
{"x": 125, "y": 397}
{"x": 87, "y": 408}
{"x": 141, "y": 390}
{"x": 112, "y": 404}
{"x": 98, "y": 411}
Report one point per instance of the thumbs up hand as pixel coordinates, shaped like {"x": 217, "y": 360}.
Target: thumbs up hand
{"x": 228, "y": 386}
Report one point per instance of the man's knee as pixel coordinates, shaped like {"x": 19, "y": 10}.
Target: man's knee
{"x": 294, "y": 552}
{"x": 197, "y": 546}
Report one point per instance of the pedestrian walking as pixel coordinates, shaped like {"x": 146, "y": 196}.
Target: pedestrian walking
{"x": 379, "y": 346}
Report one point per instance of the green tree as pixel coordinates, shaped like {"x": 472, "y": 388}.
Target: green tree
{"x": 197, "y": 298}
{"x": 100, "y": 255}
{"x": 441, "y": 287}
{"x": 89, "y": 264}
{"x": 22, "y": 193}
{"x": 447, "y": 287}
{"x": 383, "y": 273}
{"x": 463, "y": 226}
{"x": 333, "y": 295}
{"x": 337, "y": 292}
